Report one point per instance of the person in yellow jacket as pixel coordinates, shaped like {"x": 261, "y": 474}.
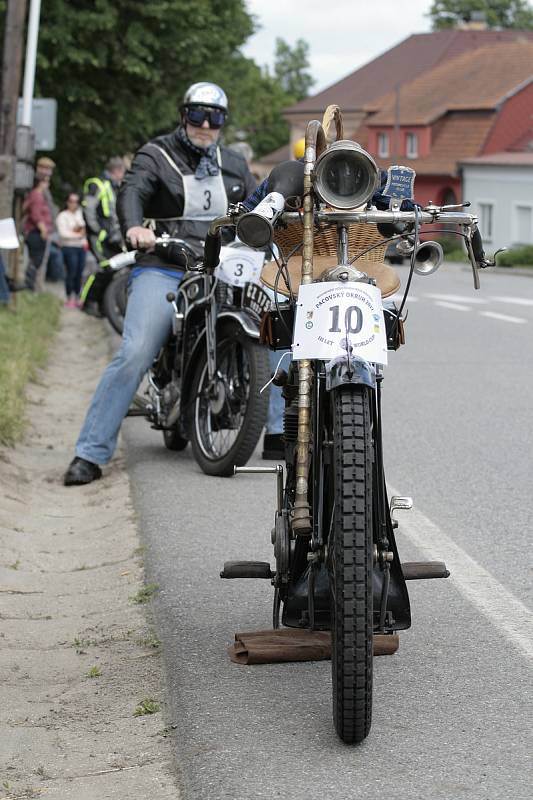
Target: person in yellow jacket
{"x": 103, "y": 229}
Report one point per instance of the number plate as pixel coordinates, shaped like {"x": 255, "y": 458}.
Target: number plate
{"x": 332, "y": 317}
{"x": 255, "y": 299}
{"x": 239, "y": 265}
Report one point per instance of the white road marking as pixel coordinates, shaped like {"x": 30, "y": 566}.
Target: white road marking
{"x": 399, "y": 297}
{"x": 453, "y": 306}
{"x": 457, "y": 298}
{"x": 505, "y": 611}
{"x": 519, "y": 301}
{"x": 504, "y": 317}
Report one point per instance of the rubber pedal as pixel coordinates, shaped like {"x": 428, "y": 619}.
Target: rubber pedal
{"x": 424, "y": 570}
{"x": 246, "y": 569}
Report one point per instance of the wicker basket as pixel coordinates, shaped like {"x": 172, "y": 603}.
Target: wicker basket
{"x": 360, "y": 237}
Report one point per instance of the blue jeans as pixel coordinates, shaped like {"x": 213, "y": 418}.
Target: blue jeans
{"x": 276, "y": 404}
{"x": 147, "y": 325}
{"x": 74, "y": 258}
{"x": 4, "y": 288}
{"x": 55, "y": 266}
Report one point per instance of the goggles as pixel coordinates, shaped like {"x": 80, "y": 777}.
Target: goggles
{"x": 197, "y": 115}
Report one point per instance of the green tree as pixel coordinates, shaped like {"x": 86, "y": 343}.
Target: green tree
{"x": 291, "y": 68}
{"x": 258, "y": 96}
{"x": 498, "y": 13}
{"x": 118, "y": 70}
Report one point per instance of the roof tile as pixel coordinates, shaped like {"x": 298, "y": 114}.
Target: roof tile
{"x": 476, "y": 80}
{"x": 412, "y": 57}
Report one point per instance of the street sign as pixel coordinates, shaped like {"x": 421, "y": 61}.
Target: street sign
{"x": 43, "y": 121}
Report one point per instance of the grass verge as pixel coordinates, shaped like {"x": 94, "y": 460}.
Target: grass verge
{"x": 24, "y": 342}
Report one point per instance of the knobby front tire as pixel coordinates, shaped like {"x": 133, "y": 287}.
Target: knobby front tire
{"x": 350, "y": 561}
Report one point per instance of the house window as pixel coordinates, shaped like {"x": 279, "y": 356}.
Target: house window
{"x": 411, "y": 145}
{"x": 524, "y": 224}
{"x": 383, "y": 145}
{"x": 485, "y": 220}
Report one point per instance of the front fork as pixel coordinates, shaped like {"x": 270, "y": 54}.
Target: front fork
{"x": 210, "y": 329}
{"x": 322, "y": 452}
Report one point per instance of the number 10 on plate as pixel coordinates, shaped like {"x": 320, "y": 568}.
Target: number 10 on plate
{"x": 333, "y": 318}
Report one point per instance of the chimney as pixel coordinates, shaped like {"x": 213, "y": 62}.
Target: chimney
{"x": 474, "y": 21}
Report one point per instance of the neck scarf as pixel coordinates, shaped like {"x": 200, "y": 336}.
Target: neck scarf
{"x": 208, "y": 164}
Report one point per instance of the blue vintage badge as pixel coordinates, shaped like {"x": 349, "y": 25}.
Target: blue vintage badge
{"x": 400, "y": 184}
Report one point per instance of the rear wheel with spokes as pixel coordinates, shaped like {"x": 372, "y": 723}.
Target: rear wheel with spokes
{"x": 350, "y": 562}
{"x": 228, "y": 412}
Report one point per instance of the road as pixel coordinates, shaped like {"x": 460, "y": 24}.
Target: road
{"x": 452, "y": 709}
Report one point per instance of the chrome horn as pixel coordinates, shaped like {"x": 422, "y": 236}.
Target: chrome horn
{"x": 345, "y": 176}
{"x": 428, "y": 258}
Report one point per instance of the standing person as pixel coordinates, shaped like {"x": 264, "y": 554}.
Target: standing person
{"x": 180, "y": 181}
{"x": 37, "y": 226}
{"x": 53, "y": 265}
{"x": 103, "y": 229}
{"x": 71, "y": 229}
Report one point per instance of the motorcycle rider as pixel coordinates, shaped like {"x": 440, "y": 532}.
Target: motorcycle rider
{"x": 103, "y": 229}
{"x": 180, "y": 182}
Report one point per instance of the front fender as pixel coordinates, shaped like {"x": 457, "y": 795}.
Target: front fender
{"x": 359, "y": 371}
{"x": 249, "y": 324}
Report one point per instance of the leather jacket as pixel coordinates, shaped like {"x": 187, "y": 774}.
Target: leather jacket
{"x": 153, "y": 189}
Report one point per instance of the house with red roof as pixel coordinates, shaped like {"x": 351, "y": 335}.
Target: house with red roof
{"x": 432, "y": 102}
{"x": 478, "y": 103}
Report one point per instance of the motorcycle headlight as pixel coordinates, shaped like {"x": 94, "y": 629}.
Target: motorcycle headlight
{"x": 345, "y": 176}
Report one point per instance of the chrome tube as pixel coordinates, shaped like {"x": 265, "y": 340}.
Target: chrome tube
{"x": 375, "y": 216}
{"x": 315, "y": 143}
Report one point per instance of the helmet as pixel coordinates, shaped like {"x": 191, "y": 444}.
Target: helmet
{"x": 205, "y": 94}
{"x": 298, "y": 148}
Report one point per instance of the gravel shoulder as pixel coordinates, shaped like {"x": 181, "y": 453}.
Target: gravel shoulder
{"x": 78, "y": 655}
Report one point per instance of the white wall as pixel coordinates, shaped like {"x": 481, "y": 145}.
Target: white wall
{"x": 509, "y": 189}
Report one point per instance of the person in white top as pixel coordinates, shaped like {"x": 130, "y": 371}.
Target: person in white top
{"x": 71, "y": 229}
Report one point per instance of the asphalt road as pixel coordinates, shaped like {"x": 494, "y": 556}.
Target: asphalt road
{"x": 452, "y": 708}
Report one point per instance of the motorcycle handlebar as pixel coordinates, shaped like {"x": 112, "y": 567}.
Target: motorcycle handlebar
{"x": 213, "y": 243}
{"x": 477, "y": 246}
{"x": 128, "y": 258}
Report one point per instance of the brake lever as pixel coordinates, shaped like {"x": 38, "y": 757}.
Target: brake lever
{"x": 492, "y": 262}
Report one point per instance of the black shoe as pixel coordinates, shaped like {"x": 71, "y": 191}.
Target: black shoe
{"x": 81, "y": 471}
{"x": 273, "y": 447}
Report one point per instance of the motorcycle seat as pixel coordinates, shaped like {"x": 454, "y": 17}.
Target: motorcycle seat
{"x": 386, "y": 277}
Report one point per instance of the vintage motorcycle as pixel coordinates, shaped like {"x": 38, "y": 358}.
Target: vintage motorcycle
{"x": 204, "y": 386}
{"x": 337, "y": 566}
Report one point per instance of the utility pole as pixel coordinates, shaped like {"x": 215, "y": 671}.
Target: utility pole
{"x": 11, "y": 78}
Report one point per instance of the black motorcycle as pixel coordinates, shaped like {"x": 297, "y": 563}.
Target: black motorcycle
{"x": 337, "y": 566}
{"x": 205, "y": 384}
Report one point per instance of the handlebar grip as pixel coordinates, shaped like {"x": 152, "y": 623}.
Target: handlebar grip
{"x": 477, "y": 246}
{"x": 212, "y": 246}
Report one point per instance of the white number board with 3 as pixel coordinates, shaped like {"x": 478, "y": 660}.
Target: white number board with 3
{"x": 239, "y": 265}
{"x": 332, "y": 317}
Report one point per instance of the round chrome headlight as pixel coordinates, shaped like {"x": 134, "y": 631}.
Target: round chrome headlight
{"x": 345, "y": 176}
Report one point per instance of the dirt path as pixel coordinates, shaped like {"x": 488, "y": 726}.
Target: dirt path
{"x": 77, "y": 653}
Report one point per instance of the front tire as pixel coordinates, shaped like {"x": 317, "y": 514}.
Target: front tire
{"x": 116, "y": 299}
{"x": 229, "y": 414}
{"x": 350, "y": 562}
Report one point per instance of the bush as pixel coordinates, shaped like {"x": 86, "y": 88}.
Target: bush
{"x": 516, "y": 256}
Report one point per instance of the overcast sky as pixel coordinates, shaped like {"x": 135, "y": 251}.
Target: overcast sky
{"x": 342, "y": 34}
